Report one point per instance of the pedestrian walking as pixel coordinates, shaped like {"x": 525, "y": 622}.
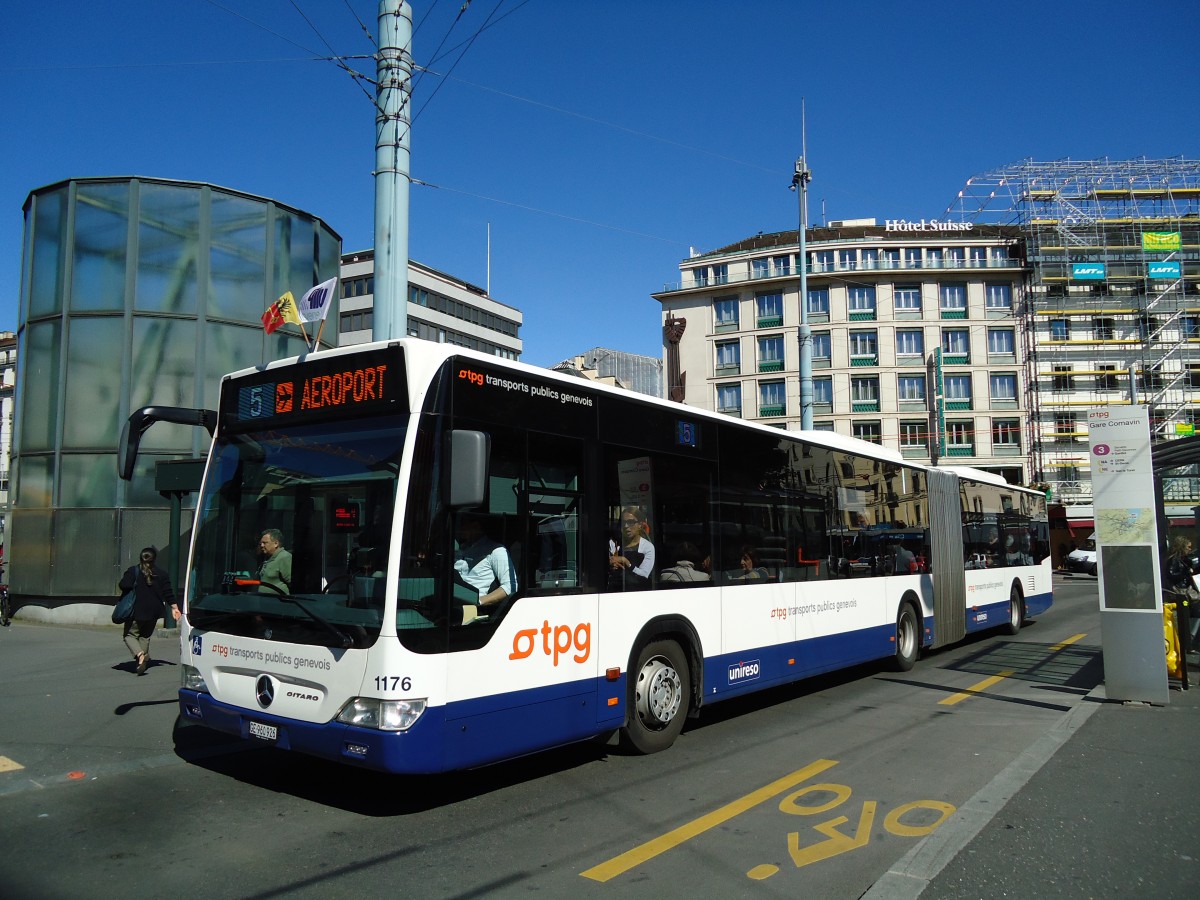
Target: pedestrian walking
{"x": 152, "y": 595}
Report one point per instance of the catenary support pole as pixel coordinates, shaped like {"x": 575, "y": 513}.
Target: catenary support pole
{"x": 392, "y": 126}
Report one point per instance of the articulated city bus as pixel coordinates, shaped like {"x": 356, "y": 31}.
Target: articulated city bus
{"x": 487, "y": 559}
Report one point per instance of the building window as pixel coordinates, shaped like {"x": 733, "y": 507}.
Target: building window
{"x": 729, "y": 357}
{"x": 821, "y": 261}
{"x": 1003, "y": 386}
{"x": 933, "y": 258}
{"x": 953, "y": 298}
{"x": 1060, "y": 329}
{"x": 362, "y": 320}
{"x": 1062, "y": 379}
{"x": 720, "y": 273}
{"x": 861, "y": 298}
{"x": 781, "y": 265}
{"x": 725, "y": 313}
{"x": 978, "y": 257}
{"x": 907, "y": 297}
{"x": 770, "y": 354}
{"x": 956, "y": 343}
{"x": 1001, "y": 341}
{"x": 999, "y": 296}
{"x": 770, "y": 310}
{"x": 869, "y": 258}
{"x": 823, "y": 392}
{"x": 868, "y": 431}
{"x": 864, "y": 394}
{"x": 729, "y": 399}
{"x": 956, "y": 258}
{"x": 821, "y": 345}
{"x": 1191, "y": 327}
{"x": 1104, "y": 329}
{"x": 957, "y": 391}
{"x": 760, "y": 268}
{"x": 847, "y": 260}
{"x": 960, "y": 438}
{"x": 772, "y": 401}
{"x": 910, "y": 388}
{"x": 889, "y": 259}
{"x": 1006, "y": 433}
{"x": 1064, "y": 428}
{"x": 910, "y": 342}
{"x": 913, "y": 436}
{"x": 912, "y": 257}
{"x": 818, "y": 301}
{"x": 1107, "y": 379}
{"x": 864, "y": 348}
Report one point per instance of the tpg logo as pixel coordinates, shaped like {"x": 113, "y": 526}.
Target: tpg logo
{"x": 744, "y": 671}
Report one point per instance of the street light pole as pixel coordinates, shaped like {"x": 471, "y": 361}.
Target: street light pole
{"x": 800, "y": 180}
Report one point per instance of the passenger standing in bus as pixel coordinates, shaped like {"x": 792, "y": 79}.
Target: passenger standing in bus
{"x": 276, "y": 567}
{"x": 152, "y": 594}
{"x": 484, "y": 563}
{"x": 631, "y": 562}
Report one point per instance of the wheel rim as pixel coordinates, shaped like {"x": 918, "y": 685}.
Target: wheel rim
{"x": 659, "y": 693}
{"x": 1014, "y": 611}
{"x": 906, "y": 634}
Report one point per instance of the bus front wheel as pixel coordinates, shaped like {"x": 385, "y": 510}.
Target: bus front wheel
{"x": 661, "y": 688}
{"x": 908, "y": 638}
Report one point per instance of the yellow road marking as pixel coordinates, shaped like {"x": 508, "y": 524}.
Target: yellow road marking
{"x": 8, "y": 765}
{"x": 975, "y": 689}
{"x": 1068, "y": 642}
{"x": 631, "y": 858}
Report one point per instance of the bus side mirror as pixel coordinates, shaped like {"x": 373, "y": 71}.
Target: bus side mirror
{"x": 467, "y": 453}
{"x": 141, "y": 419}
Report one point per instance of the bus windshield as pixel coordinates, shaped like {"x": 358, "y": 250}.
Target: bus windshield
{"x": 293, "y": 532}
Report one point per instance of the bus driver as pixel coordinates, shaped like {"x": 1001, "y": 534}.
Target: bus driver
{"x": 483, "y": 563}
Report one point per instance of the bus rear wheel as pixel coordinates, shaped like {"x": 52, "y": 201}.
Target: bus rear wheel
{"x": 908, "y": 641}
{"x": 1016, "y": 612}
{"x": 660, "y": 691}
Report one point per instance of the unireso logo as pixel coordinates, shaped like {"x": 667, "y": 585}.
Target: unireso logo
{"x": 747, "y": 670}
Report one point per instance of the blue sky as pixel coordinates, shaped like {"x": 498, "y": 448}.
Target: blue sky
{"x": 598, "y": 140}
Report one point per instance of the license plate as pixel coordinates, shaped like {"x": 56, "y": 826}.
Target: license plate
{"x": 263, "y": 732}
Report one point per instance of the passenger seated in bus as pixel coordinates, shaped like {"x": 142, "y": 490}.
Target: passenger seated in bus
{"x": 484, "y": 564}
{"x": 684, "y": 571}
{"x": 905, "y": 560}
{"x": 751, "y": 570}
{"x": 632, "y": 560}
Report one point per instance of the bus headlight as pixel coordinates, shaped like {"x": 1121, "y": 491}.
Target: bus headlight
{"x": 384, "y": 715}
{"x": 191, "y": 679}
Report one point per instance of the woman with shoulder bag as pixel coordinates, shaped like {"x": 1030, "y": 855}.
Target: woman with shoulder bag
{"x": 152, "y": 594}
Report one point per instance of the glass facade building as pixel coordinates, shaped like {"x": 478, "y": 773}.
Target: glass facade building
{"x": 134, "y": 291}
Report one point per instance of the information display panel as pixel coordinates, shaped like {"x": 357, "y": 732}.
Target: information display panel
{"x": 346, "y": 385}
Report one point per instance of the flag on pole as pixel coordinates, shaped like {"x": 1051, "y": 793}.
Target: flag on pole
{"x": 314, "y": 305}
{"x": 282, "y": 310}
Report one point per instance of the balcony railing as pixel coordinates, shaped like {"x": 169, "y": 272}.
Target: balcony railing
{"x": 881, "y": 265}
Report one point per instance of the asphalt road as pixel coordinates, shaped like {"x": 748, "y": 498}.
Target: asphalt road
{"x": 815, "y": 790}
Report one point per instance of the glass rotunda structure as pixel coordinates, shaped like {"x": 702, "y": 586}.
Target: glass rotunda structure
{"x": 134, "y": 291}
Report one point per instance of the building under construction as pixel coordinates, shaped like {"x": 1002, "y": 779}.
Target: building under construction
{"x": 1112, "y": 309}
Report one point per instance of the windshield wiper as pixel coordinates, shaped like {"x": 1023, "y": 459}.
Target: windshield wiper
{"x": 238, "y": 582}
{"x": 320, "y": 620}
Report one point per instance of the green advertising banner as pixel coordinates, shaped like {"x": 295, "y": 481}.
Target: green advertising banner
{"x": 1161, "y": 241}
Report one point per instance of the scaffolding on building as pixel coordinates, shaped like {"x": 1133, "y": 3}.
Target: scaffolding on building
{"x": 1112, "y": 307}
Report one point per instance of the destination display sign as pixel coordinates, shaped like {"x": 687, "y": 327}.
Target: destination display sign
{"x": 344, "y": 385}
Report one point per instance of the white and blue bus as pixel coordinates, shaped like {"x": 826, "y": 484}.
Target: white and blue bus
{"x": 762, "y": 557}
